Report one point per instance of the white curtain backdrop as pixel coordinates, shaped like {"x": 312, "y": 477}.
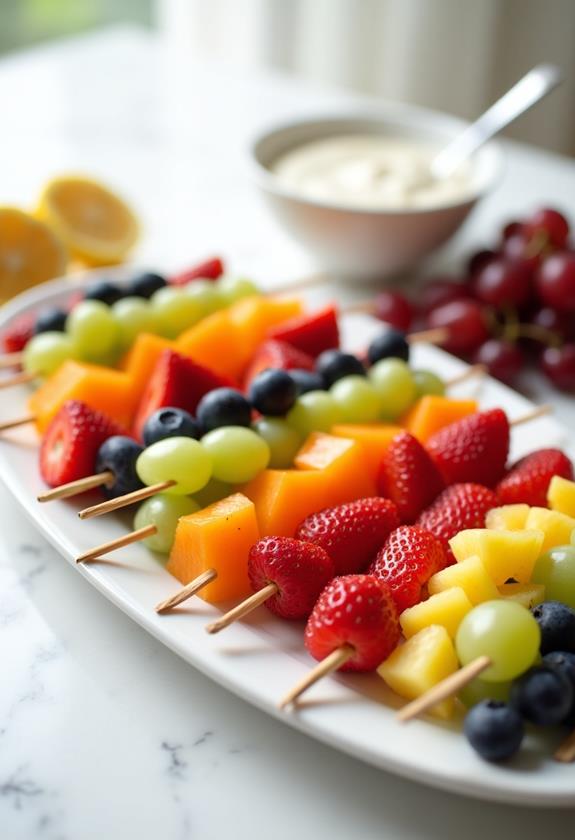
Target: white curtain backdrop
{"x": 454, "y": 55}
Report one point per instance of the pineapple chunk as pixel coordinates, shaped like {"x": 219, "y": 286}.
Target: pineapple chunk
{"x": 470, "y": 575}
{"x": 507, "y": 518}
{"x": 526, "y": 594}
{"x": 505, "y": 554}
{"x": 557, "y": 527}
{"x": 561, "y": 495}
{"x": 445, "y": 608}
{"x": 419, "y": 664}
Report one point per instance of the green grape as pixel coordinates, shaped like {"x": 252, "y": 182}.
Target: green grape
{"x": 212, "y": 492}
{"x": 427, "y": 382}
{"x": 282, "y": 439}
{"x": 135, "y": 316}
{"x": 395, "y": 385}
{"x": 504, "y": 631}
{"x": 175, "y": 311}
{"x": 45, "y": 352}
{"x": 178, "y": 459}
{"x": 163, "y": 511}
{"x": 315, "y": 411}
{"x": 206, "y": 295}
{"x": 234, "y": 288}
{"x": 357, "y": 399}
{"x": 94, "y": 329}
{"x": 555, "y": 569}
{"x": 478, "y": 690}
{"x": 238, "y": 454}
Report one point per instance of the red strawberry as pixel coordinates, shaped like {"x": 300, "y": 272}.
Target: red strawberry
{"x": 300, "y": 570}
{"x": 16, "y": 336}
{"x": 351, "y": 533}
{"x": 311, "y": 333}
{"x": 207, "y": 270}
{"x": 527, "y": 481}
{"x": 457, "y": 508}
{"x": 71, "y": 442}
{"x": 355, "y": 610}
{"x": 406, "y": 562}
{"x": 176, "y": 381}
{"x": 408, "y": 476}
{"x": 278, "y": 355}
{"x": 472, "y": 449}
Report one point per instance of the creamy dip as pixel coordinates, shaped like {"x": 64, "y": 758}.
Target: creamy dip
{"x": 371, "y": 172}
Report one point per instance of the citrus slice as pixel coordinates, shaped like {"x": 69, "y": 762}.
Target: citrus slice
{"x": 96, "y": 225}
{"x": 30, "y": 252}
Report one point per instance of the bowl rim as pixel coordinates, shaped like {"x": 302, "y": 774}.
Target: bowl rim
{"x": 387, "y": 113}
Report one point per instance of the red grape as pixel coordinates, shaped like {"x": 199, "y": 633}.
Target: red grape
{"x": 503, "y": 283}
{"x": 503, "y": 359}
{"x": 479, "y": 260}
{"x": 393, "y": 308}
{"x": 557, "y": 322}
{"x": 558, "y": 364}
{"x": 555, "y": 281}
{"x": 511, "y": 229}
{"x": 551, "y": 223}
{"x": 466, "y": 322}
{"x": 441, "y": 290}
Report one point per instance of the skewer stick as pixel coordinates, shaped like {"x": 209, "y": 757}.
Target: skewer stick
{"x": 8, "y": 360}
{"x": 331, "y": 663}
{"x": 246, "y": 607}
{"x": 18, "y": 421}
{"x": 74, "y": 488}
{"x": 534, "y": 414}
{"x": 435, "y": 336}
{"x": 189, "y": 589}
{"x": 123, "y": 501}
{"x": 473, "y": 370}
{"x": 444, "y": 689}
{"x": 119, "y": 542}
{"x": 566, "y": 751}
{"x": 18, "y": 379}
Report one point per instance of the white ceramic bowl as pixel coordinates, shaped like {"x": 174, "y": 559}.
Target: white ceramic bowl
{"x": 368, "y": 244}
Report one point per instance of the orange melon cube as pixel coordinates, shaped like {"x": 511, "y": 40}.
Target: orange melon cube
{"x": 341, "y": 462}
{"x": 431, "y": 413}
{"x": 141, "y": 358}
{"x": 216, "y": 343}
{"x": 374, "y": 439}
{"x": 255, "y": 316}
{"x": 218, "y": 537}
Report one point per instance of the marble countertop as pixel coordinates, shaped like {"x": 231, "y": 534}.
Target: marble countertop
{"x": 103, "y": 732}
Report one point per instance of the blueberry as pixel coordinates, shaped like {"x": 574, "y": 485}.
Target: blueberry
{"x": 543, "y": 695}
{"x": 119, "y": 455}
{"x": 51, "y": 320}
{"x": 494, "y": 730}
{"x": 307, "y": 380}
{"x": 145, "y": 285}
{"x": 391, "y": 343}
{"x": 169, "y": 422}
{"x": 273, "y": 392}
{"x": 564, "y": 662}
{"x": 104, "y": 291}
{"x": 557, "y": 624}
{"x": 223, "y": 407}
{"x": 334, "y": 365}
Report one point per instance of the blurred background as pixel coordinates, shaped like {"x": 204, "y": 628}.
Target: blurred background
{"x": 455, "y": 55}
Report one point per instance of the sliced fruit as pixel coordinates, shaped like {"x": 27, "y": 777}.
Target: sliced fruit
{"x": 446, "y": 608}
{"x": 207, "y": 270}
{"x": 526, "y": 594}
{"x": 557, "y": 527}
{"x": 528, "y": 480}
{"x": 341, "y": 462}
{"x": 507, "y": 517}
{"x": 471, "y": 575}
{"x": 408, "y": 477}
{"x": 216, "y": 342}
{"x": 561, "y": 495}
{"x": 313, "y": 333}
{"x": 255, "y": 316}
{"x": 431, "y": 413}
{"x": 279, "y": 355}
{"x": 18, "y": 333}
{"x": 142, "y": 357}
{"x": 374, "y": 439}
{"x": 30, "y": 253}
{"x": 505, "y": 554}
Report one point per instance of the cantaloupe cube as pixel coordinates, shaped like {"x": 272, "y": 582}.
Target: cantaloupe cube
{"x": 423, "y": 661}
{"x": 431, "y": 413}
{"x": 507, "y": 517}
{"x": 374, "y": 439}
{"x": 141, "y": 358}
{"x": 342, "y": 464}
{"x": 557, "y": 527}
{"x": 561, "y": 495}
{"x": 505, "y": 554}
{"x": 526, "y": 594}
{"x": 255, "y": 316}
{"x": 471, "y": 575}
{"x": 218, "y": 537}
{"x": 216, "y": 342}
{"x": 446, "y": 608}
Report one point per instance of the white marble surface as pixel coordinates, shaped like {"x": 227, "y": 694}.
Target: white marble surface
{"x": 103, "y": 733}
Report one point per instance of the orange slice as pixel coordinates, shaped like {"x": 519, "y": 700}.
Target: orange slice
{"x": 30, "y": 253}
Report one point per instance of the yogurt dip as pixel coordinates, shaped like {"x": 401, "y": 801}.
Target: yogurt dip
{"x": 370, "y": 172}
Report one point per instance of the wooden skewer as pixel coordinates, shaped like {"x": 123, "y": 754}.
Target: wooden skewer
{"x": 74, "y": 488}
{"x": 473, "y": 370}
{"x": 119, "y": 542}
{"x": 566, "y": 751}
{"x": 435, "y": 336}
{"x": 11, "y": 360}
{"x": 444, "y": 689}
{"x": 18, "y": 421}
{"x": 18, "y": 379}
{"x": 534, "y": 414}
{"x": 246, "y": 607}
{"x": 331, "y": 663}
{"x": 123, "y": 501}
{"x": 189, "y": 589}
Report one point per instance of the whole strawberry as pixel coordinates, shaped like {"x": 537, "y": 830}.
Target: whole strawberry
{"x": 472, "y": 449}
{"x": 355, "y": 610}
{"x": 299, "y": 570}
{"x": 405, "y": 563}
{"x": 408, "y": 476}
{"x": 459, "y": 507}
{"x": 351, "y": 533}
{"x": 527, "y": 480}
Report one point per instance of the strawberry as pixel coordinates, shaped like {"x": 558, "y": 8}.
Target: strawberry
{"x": 16, "y": 336}
{"x": 351, "y": 533}
{"x": 472, "y": 449}
{"x": 527, "y": 481}
{"x": 312, "y": 333}
{"x": 207, "y": 270}
{"x": 175, "y": 381}
{"x": 408, "y": 476}
{"x": 406, "y": 562}
{"x": 355, "y": 610}
{"x": 71, "y": 442}
{"x": 300, "y": 570}
{"x": 278, "y": 355}
{"x": 459, "y": 507}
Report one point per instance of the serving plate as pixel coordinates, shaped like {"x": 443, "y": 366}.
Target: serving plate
{"x": 260, "y": 658}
